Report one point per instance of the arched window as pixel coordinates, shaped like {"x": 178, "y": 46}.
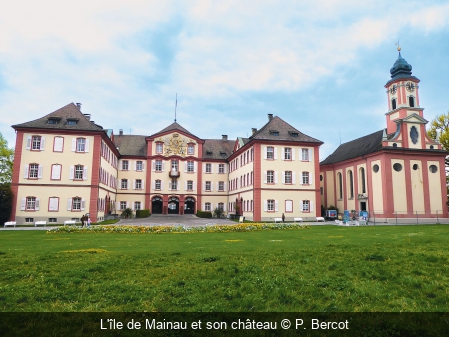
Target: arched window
{"x": 393, "y": 104}
{"x": 362, "y": 179}
{"x": 351, "y": 184}
{"x": 340, "y": 186}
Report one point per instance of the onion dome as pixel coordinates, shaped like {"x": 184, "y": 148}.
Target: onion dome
{"x": 401, "y": 69}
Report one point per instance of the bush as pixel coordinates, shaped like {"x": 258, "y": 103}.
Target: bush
{"x": 143, "y": 213}
{"x": 201, "y": 214}
{"x": 218, "y": 212}
{"x": 127, "y": 213}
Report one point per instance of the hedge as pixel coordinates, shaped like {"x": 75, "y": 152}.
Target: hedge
{"x": 201, "y": 214}
{"x": 143, "y": 213}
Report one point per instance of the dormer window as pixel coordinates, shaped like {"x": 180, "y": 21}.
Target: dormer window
{"x": 72, "y": 121}
{"x": 293, "y": 134}
{"x": 209, "y": 153}
{"x": 223, "y": 154}
{"x": 274, "y": 133}
{"x": 393, "y": 104}
{"x": 411, "y": 101}
{"x": 53, "y": 120}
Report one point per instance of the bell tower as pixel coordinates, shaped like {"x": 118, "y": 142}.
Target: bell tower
{"x": 402, "y": 93}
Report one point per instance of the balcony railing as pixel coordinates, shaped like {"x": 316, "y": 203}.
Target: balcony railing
{"x": 174, "y": 174}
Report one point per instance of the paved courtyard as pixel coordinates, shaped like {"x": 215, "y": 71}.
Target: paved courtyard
{"x": 174, "y": 220}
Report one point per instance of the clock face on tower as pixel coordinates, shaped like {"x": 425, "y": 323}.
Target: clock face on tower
{"x": 393, "y": 89}
{"x": 410, "y": 86}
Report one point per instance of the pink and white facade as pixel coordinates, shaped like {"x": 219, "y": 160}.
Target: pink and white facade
{"x": 66, "y": 166}
{"x": 395, "y": 173}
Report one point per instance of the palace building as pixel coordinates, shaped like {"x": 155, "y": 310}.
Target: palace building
{"x": 66, "y": 165}
{"x": 396, "y": 172}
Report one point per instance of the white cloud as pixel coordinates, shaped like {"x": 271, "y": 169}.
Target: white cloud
{"x": 97, "y": 53}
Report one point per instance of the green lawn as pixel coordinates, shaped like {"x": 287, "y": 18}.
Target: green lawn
{"x": 324, "y": 268}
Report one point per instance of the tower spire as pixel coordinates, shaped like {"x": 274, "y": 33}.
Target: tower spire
{"x": 398, "y": 47}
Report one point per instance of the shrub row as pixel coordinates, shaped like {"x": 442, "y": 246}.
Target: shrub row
{"x": 143, "y": 213}
{"x": 201, "y": 214}
{"x": 248, "y": 227}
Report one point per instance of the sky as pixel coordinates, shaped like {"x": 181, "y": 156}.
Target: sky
{"x": 319, "y": 65}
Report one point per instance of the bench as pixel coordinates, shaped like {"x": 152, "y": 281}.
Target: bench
{"x": 297, "y": 219}
{"x": 69, "y": 222}
{"x": 40, "y": 223}
{"x": 277, "y": 220}
{"x": 11, "y": 223}
{"x": 319, "y": 218}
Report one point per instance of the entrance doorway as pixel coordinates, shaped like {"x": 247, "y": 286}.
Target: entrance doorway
{"x": 173, "y": 205}
{"x": 156, "y": 205}
{"x": 189, "y": 206}
{"x": 363, "y": 206}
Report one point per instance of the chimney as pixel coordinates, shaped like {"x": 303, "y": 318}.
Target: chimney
{"x": 78, "y": 106}
{"x": 120, "y": 132}
{"x": 224, "y": 137}
{"x": 270, "y": 117}
{"x": 87, "y": 116}
{"x": 254, "y": 130}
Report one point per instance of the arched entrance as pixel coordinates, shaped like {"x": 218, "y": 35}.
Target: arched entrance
{"x": 156, "y": 205}
{"x": 173, "y": 205}
{"x": 189, "y": 206}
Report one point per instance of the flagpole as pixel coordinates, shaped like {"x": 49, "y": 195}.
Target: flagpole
{"x": 176, "y": 104}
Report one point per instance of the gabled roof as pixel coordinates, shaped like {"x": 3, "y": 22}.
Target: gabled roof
{"x": 173, "y": 127}
{"x": 216, "y": 148}
{"x": 131, "y": 145}
{"x": 285, "y": 131}
{"x": 415, "y": 116}
{"x": 70, "y": 111}
{"x": 356, "y": 148}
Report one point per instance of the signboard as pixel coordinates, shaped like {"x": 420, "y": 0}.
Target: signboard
{"x": 346, "y": 216}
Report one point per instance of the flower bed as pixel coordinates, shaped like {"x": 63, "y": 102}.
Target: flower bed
{"x": 246, "y": 227}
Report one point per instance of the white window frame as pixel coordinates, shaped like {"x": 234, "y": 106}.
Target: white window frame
{"x": 138, "y": 184}
{"x": 190, "y": 149}
{"x": 124, "y": 184}
{"x": 287, "y": 153}
{"x": 305, "y": 178}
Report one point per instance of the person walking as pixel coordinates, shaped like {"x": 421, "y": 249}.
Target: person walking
{"x": 283, "y": 217}
{"x": 89, "y": 222}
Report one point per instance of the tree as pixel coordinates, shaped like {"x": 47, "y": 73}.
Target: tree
{"x": 6, "y": 161}
{"x": 6, "y": 197}
{"x": 218, "y": 212}
{"x": 439, "y": 131}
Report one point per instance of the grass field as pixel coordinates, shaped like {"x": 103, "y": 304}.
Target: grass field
{"x": 325, "y": 268}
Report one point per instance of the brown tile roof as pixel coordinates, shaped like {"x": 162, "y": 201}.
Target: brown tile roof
{"x": 216, "y": 148}
{"x": 285, "y": 132}
{"x": 172, "y": 127}
{"x": 131, "y": 145}
{"x": 62, "y": 115}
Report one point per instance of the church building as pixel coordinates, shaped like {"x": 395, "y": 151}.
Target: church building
{"x": 394, "y": 173}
